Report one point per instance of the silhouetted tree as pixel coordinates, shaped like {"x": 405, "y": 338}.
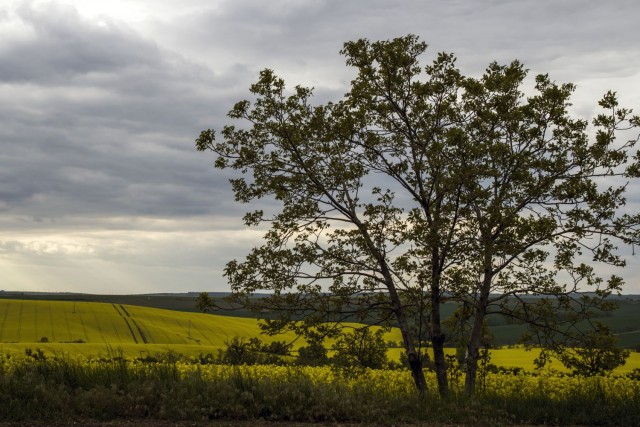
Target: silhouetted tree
{"x": 424, "y": 186}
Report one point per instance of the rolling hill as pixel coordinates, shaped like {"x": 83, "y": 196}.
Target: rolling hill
{"x": 92, "y": 327}
{"x": 624, "y": 322}
{"x": 100, "y": 328}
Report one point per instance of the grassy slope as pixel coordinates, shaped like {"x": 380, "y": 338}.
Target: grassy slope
{"x": 58, "y": 321}
{"x": 625, "y": 321}
{"x": 100, "y": 325}
{"x": 103, "y": 327}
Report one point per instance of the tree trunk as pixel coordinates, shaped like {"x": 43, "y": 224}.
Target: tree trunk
{"x": 437, "y": 336}
{"x": 472, "y": 356}
{"x": 437, "y": 340}
{"x": 415, "y": 363}
{"x": 440, "y": 363}
{"x": 473, "y": 346}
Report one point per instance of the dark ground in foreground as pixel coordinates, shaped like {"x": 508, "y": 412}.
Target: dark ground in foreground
{"x": 252, "y": 423}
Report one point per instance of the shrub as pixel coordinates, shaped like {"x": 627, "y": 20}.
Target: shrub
{"x": 362, "y": 349}
{"x": 62, "y": 390}
{"x": 239, "y": 351}
{"x": 314, "y": 354}
{"x": 596, "y": 353}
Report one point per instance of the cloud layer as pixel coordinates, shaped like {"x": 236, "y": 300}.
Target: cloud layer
{"x": 101, "y": 189}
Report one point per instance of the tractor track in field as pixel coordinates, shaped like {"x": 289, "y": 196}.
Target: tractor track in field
{"x": 66, "y": 322}
{"x": 124, "y": 310}
{"x": 84, "y": 327}
{"x": 140, "y": 330}
{"x": 20, "y": 320}
{"x": 4, "y": 320}
{"x": 126, "y": 316}
{"x": 51, "y": 322}
{"x": 142, "y": 335}
{"x": 35, "y": 323}
{"x": 126, "y": 321}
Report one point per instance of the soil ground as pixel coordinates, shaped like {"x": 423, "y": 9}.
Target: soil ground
{"x": 221, "y": 423}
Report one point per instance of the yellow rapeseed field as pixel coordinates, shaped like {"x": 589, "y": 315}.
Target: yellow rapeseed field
{"x": 91, "y": 329}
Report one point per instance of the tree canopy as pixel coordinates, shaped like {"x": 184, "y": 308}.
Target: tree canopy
{"x": 424, "y": 186}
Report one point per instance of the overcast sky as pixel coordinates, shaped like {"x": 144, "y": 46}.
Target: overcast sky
{"x": 101, "y": 188}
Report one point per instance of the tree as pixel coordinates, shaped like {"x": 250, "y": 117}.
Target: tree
{"x": 313, "y": 354}
{"x": 594, "y": 353}
{"x": 204, "y": 302}
{"x": 361, "y": 348}
{"x": 542, "y": 198}
{"x": 423, "y": 186}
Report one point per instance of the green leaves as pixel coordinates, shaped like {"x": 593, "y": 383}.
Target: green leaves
{"x": 609, "y": 100}
{"x": 593, "y": 353}
{"x": 423, "y": 185}
{"x": 205, "y": 140}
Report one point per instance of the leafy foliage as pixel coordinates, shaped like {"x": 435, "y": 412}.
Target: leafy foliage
{"x": 62, "y": 390}
{"x": 240, "y": 351}
{"x": 596, "y": 355}
{"x": 313, "y": 354}
{"x": 423, "y": 186}
{"x": 361, "y": 348}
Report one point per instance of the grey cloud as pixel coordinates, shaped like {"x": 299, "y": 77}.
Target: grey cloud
{"x": 99, "y": 116}
{"x": 106, "y": 118}
{"x": 103, "y": 122}
{"x": 547, "y": 35}
{"x": 64, "y": 45}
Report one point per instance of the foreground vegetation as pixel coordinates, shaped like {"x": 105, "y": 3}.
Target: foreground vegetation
{"x": 36, "y": 387}
{"x": 182, "y": 370}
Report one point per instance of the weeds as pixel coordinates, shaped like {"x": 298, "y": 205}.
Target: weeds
{"x": 37, "y": 387}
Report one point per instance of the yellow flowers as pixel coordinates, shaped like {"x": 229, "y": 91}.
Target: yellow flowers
{"x": 186, "y": 390}
{"x": 394, "y": 383}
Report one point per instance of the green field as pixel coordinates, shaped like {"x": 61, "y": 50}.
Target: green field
{"x": 93, "y": 328}
{"x": 624, "y": 321}
{"x": 521, "y": 358}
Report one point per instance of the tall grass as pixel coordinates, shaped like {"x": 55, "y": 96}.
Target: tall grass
{"x": 37, "y": 387}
